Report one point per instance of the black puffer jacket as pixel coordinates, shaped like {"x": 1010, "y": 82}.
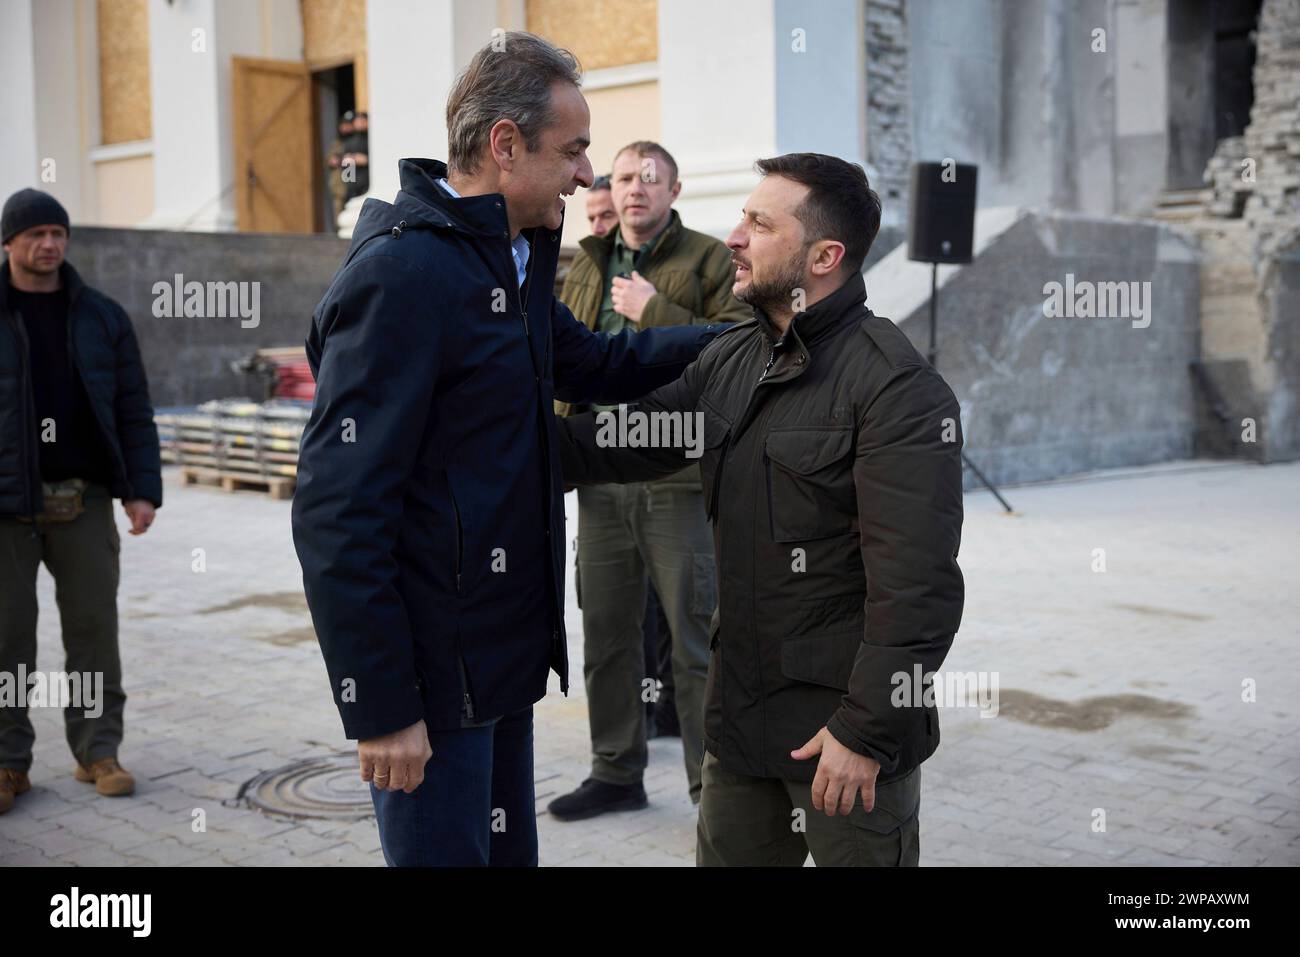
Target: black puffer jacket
{"x": 833, "y": 480}
{"x": 104, "y": 353}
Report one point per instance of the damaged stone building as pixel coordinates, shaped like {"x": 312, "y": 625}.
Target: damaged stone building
{"x": 1117, "y": 141}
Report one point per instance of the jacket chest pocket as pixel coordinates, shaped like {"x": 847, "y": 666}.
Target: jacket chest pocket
{"x": 810, "y": 492}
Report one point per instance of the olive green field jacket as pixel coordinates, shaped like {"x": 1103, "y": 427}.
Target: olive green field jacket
{"x": 692, "y": 274}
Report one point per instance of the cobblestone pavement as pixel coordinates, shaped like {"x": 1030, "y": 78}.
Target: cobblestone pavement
{"x": 1121, "y": 692}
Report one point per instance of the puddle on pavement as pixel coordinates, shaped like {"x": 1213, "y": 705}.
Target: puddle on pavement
{"x": 1086, "y": 714}
{"x": 293, "y": 636}
{"x": 1164, "y": 612}
{"x": 291, "y": 601}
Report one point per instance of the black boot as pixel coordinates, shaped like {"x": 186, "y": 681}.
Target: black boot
{"x": 594, "y": 798}
{"x": 666, "y": 724}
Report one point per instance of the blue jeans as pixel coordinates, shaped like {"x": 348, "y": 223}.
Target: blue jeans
{"x": 476, "y": 806}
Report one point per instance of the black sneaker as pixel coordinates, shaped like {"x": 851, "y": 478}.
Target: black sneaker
{"x": 593, "y": 798}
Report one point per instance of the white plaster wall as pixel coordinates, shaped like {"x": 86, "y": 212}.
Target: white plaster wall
{"x": 19, "y": 159}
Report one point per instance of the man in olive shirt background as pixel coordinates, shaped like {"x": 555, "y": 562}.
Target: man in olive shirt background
{"x": 650, "y": 271}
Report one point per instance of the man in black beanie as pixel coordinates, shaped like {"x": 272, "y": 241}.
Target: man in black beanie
{"x": 76, "y": 431}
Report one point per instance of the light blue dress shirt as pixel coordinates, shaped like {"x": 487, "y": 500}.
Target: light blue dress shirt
{"x": 519, "y": 247}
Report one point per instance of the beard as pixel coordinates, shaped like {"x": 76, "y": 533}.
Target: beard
{"x": 775, "y": 292}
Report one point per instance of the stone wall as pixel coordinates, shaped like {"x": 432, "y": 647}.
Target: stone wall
{"x": 1249, "y": 230}
{"x": 889, "y": 121}
{"x": 1043, "y": 397}
{"x": 188, "y": 360}
{"x": 1280, "y": 308}
{"x": 1273, "y": 135}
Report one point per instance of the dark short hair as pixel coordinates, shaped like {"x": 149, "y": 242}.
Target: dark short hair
{"x": 509, "y": 79}
{"x": 651, "y": 149}
{"x": 841, "y": 204}
{"x": 599, "y": 183}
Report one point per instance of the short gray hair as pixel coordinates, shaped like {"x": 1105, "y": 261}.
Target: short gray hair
{"x": 509, "y": 79}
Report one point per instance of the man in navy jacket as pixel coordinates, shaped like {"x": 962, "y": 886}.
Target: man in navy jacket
{"x": 429, "y": 512}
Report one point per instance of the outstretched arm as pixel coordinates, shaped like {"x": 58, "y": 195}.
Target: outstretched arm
{"x": 596, "y": 367}
{"x": 590, "y": 453}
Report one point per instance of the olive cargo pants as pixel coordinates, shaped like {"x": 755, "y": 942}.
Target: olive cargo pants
{"x": 762, "y": 822}
{"x": 625, "y": 531}
{"x": 82, "y": 555}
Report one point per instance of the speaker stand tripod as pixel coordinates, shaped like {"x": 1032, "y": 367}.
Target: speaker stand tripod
{"x": 933, "y": 356}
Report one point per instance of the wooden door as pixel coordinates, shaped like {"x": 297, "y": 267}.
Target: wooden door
{"x": 275, "y": 168}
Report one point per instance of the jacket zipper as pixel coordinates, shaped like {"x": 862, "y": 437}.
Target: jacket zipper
{"x": 726, "y": 447}
{"x": 460, "y": 559}
{"x": 460, "y": 535}
{"x": 26, "y": 414}
{"x": 753, "y": 612}
{"x": 767, "y": 473}
{"x": 521, "y": 296}
{"x": 464, "y": 683}
{"x": 112, "y": 445}
{"x": 771, "y": 361}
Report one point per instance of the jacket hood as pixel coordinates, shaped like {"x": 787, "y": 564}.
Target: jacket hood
{"x": 421, "y": 204}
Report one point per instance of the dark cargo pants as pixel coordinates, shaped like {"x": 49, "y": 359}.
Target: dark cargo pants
{"x": 763, "y": 822}
{"x": 82, "y": 556}
{"x": 625, "y": 531}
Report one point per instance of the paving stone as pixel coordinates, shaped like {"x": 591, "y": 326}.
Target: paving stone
{"x": 1186, "y": 774}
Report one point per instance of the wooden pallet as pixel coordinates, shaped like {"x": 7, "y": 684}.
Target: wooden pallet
{"x": 277, "y": 487}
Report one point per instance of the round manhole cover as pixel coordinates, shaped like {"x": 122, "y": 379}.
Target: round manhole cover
{"x": 328, "y": 787}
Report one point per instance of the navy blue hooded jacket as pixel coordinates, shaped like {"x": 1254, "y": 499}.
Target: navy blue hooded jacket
{"x": 429, "y": 513}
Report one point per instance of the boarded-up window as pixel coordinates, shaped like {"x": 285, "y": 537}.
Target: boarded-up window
{"x": 600, "y": 33}
{"x": 334, "y": 33}
{"x": 333, "y": 30}
{"x": 125, "y": 111}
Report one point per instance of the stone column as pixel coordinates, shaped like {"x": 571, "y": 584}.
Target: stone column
{"x": 190, "y": 50}
{"x": 416, "y": 50}
{"x": 20, "y": 167}
{"x": 740, "y": 82}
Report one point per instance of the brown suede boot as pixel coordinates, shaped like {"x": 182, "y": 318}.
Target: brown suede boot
{"x": 109, "y": 777}
{"x": 12, "y": 784}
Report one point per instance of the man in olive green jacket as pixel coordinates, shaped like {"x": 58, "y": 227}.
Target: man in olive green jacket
{"x": 650, "y": 271}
